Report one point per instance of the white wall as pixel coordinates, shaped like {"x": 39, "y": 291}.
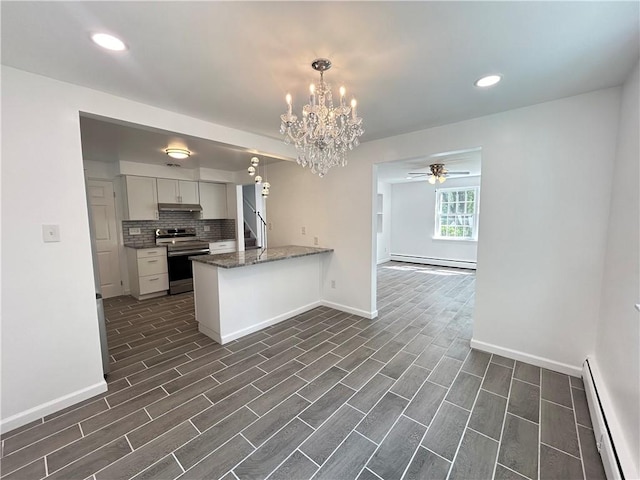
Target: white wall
{"x": 50, "y": 347}
{"x": 384, "y": 222}
{"x": 413, "y": 223}
{"x": 338, "y": 210}
{"x": 540, "y": 254}
{"x": 617, "y": 350}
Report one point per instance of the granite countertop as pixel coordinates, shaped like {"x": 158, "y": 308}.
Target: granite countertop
{"x": 253, "y": 257}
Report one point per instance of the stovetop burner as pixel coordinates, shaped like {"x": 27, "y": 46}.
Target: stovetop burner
{"x": 179, "y": 234}
{"x": 180, "y": 239}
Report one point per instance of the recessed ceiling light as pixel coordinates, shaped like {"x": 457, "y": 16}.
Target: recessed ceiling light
{"x": 488, "y": 81}
{"x": 178, "y": 153}
{"x": 109, "y": 42}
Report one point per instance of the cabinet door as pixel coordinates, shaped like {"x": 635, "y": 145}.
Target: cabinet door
{"x": 213, "y": 198}
{"x": 142, "y": 198}
{"x": 168, "y": 191}
{"x": 188, "y": 192}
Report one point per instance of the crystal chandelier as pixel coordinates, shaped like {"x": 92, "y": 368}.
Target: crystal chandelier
{"x": 325, "y": 133}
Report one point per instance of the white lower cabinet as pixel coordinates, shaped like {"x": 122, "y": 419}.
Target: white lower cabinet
{"x": 226, "y": 246}
{"x": 148, "y": 272}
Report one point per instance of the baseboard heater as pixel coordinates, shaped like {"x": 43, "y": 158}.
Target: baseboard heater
{"x": 440, "y": 262}
{"x": 601, "y": 428}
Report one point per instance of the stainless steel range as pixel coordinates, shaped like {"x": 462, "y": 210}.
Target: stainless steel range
{"x": 181, "y": 244}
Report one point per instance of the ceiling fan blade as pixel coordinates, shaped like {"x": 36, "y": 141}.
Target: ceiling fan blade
{"x": 418, "y": 174}
{"x": 456, "y": 173}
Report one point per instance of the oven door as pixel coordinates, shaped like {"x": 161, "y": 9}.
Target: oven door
{"x": 181, "y": 271}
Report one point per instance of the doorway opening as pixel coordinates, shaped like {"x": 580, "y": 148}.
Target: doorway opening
{"x": 427, "y": 222}
{"x": 254, "y": 214}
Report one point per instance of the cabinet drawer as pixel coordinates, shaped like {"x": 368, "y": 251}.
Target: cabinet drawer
{"x": 152, "y": 266}
{"x": 222, "y": 247}
{"x": 154, "y": 283}
{"x": 152, "y": 252}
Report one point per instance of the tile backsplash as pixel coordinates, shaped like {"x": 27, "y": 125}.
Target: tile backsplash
{"x": 219, "y": 229}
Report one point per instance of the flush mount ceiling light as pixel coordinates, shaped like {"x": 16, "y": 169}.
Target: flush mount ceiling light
{"x": 178, "y": 153}
{"x": 109, "y": 42}
{"x": 488, "y": 81}
{"x": 325, "y": 133}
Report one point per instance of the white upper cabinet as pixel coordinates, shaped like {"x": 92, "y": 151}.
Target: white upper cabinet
{"x": 141, "y": 198}
{"x": 213, "y": 198}
{"x": 168, "y": 191}
{"x": 177, "y": 191}
{"x": 188, "y": 192}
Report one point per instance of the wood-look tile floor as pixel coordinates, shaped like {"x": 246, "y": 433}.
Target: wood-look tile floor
{"x": 326, "y": 395}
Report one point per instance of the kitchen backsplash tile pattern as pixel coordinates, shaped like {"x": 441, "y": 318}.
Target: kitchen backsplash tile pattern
{"x": 218, "y": 229}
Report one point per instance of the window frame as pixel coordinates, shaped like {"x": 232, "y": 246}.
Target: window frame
{"x": 438, "y": 215}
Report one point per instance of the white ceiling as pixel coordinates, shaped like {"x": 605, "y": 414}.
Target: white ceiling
{"x": 411, "y": 65}
{"x": 109, "y": 141}
{"x": 459, "y": 161}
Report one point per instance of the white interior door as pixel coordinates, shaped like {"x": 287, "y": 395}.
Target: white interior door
{"x": 102, "y": 204}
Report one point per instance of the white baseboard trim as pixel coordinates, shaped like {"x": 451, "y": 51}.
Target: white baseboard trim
{"x": 574, "y": 370}
{"x": 39, "y": 411}
{"x": 351, "y": 310}
{"x": 384, "y": 260}
{"x": 616, "y": 455}
{"x": 209, "y": 332}
{"x": 439, "y": 262}
{"x": 267, "y": 323}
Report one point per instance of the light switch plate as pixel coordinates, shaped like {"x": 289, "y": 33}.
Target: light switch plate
{"x": 134, "y": 231}
{"x": 207, "y": 228}
{"x": 51, "y": 233}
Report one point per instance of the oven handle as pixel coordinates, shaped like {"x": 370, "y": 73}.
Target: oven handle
{"x": 186, "y": 253}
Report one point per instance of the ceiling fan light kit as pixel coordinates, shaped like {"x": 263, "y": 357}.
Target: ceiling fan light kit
{"x": 438, "y": 173}
{"x": 325, "y": 133}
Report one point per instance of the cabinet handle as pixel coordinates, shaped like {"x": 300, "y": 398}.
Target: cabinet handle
{"x": 154, "y": 279}
{"x": 152, "y": 261}
{"x": 157, "y": 215}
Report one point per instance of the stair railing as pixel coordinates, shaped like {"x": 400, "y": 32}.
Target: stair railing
{"x": 263, "y": 226}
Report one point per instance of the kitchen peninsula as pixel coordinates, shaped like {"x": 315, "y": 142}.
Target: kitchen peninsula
{"x": 239, "y": 293}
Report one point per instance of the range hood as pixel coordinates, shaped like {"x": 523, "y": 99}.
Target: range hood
{"x": 179, "y": 207}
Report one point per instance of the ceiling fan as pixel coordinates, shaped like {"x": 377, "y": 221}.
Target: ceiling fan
{"x": 438, "y": 172}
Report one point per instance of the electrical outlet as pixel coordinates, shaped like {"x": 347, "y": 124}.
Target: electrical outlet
{"x": 304, "y": 230}
{"x": 270, "y": 226}
{"x": 207, "y": 228}
{"x": 51, "y": 233}
{"x": 134, "y": 231}
{"x": 333, "y": 284}
{"x": 315, "y": 241}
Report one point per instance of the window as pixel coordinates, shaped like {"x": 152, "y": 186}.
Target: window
{"x": 457, "y": 213}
